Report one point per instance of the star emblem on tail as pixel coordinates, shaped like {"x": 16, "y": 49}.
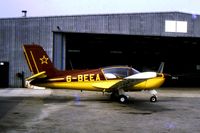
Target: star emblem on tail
{"x": 44, "y": 60}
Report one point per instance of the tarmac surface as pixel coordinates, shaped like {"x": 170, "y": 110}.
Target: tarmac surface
{"x": 67, "y": 111}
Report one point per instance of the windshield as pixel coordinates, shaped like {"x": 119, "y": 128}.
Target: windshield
{"x": 119, "y": 72}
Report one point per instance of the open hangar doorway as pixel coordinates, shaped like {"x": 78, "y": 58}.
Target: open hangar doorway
{"x": 91, "y": 50}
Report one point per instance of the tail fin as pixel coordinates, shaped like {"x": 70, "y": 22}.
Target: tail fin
{"x": 38, "y": 60}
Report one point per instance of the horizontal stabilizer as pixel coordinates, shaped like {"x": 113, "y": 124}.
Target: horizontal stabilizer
{"x": 38, "y": 75}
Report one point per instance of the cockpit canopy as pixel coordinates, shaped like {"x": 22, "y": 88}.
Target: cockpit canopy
{"x": 118, "y": 72}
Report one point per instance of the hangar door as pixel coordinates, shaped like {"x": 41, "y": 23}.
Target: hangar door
{"x": 85, "y": 51}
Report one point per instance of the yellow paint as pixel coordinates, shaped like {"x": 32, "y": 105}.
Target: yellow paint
{"x": 91, "y": 77}
{"x": 38, "y": 75}
{"x": 98, "y": 77}
{"x": 90, "y": 86}
{"x": 28, "y": 59}
{"x": 103, "y": 85}
{"x": 149, "y": 84}
{"x": 83, "y": 78}
{"x": 56, "y": 79}
{"x": 139, "y": 86}
{"x": 69, "y": 78}
{"x": 106, "y": 84}
{"x": 34, "y": 62}
{"x": 154, "y": 82}
{"x": 44, "y": 60}
{"x": 80, "y": 78}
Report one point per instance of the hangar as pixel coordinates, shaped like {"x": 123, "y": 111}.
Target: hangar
{"x": 141, "y": 40}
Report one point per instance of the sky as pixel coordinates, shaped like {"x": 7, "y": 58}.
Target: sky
{"x": 13, "y": 8}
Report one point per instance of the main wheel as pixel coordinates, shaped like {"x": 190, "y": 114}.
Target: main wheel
{"x": 123, "y": 99}
{"x": 153, "y": 99}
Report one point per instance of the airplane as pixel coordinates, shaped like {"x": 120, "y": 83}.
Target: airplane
{"x": 114, "y": 79}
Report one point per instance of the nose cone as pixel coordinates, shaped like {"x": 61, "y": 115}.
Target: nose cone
{"x": 155, "y": 82}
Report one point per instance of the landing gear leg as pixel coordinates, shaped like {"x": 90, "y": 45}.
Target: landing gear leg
{"x": 114, "y": 95}
{"x": 154, "y": 97}
{"x": 119, "y": 94}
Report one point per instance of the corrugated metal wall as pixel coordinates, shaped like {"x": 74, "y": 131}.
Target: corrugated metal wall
{"x": 17, "y": 31}
{"x": 14, "y": 33}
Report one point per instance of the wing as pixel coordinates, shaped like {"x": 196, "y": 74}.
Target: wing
{"x": 38, "y": 75}
{"x": 127, "y": 82}
{"x": 106, "y": 85}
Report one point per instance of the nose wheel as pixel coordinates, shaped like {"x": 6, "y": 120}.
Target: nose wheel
{"x": 153, "y": 98}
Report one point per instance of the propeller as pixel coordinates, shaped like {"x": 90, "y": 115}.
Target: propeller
{"x": 161, "y": 67}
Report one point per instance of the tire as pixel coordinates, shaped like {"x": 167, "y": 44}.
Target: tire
{"x": 123, "y": 99}
{"x": 153, "y": 99}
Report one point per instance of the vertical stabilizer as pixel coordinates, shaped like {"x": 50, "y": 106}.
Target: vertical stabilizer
{"x": 38, "y": 60}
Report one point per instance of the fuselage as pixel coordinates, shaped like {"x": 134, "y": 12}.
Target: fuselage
{"x": 102, "y": 79}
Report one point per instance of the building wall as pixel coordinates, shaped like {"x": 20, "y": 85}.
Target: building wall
{"x": 17, "y": 31}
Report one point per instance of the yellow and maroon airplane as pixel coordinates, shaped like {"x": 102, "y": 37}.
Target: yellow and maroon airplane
{"x": 116, "y": 80}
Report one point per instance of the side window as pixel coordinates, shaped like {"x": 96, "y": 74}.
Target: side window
{"x": 121, "y": 72}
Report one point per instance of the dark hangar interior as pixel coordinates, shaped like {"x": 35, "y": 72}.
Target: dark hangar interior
{"x": 144, "y": 53}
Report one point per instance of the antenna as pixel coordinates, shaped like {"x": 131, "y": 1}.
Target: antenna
{"x": 24, "y": 12}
